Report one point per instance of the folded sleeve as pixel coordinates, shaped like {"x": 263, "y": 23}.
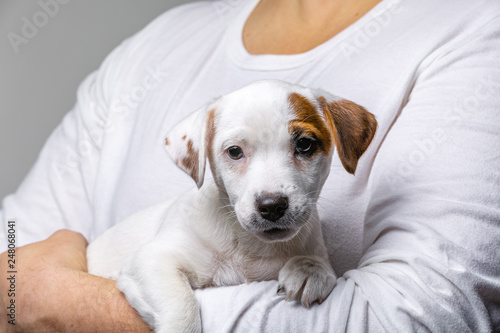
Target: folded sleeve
{"x": 432, "y": 227}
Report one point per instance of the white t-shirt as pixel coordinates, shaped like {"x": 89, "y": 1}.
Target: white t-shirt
{"x": 414, "y": 235}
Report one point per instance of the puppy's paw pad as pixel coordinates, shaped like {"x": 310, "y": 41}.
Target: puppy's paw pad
{"x": 306, "y": 279}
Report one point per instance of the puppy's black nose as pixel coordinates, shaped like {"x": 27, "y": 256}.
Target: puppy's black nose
{"x": 272, "y": 207}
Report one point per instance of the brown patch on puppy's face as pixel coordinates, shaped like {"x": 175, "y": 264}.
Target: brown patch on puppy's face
{"x": 271, "y": 141}
{"x": 341, "y": 122}
{"x": 309, "y": 122}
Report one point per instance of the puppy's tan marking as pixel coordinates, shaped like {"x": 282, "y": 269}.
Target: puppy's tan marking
{"x": 209, "y": 137}
{"x": 167, "y": 142}
{"x": 190, "y": 161}
{"x": 352, "y": 127}
{"x": 309, "y": 121}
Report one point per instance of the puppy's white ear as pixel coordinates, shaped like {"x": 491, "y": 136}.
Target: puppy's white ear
{"x": 187, "y": 142}
{"x": 353, "y": 128}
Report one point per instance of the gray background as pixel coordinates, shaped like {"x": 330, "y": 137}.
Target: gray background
{"x": 38, "y": 84}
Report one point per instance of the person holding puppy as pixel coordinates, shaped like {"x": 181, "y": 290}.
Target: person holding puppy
{"x": 413, "y": 236}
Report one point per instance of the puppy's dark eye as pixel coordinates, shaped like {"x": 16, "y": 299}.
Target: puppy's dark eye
{"x": 305, "y": 146}
{"x": 235, "y": 152}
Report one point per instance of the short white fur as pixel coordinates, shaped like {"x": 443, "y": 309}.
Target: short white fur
{"x": 214, "y": 236}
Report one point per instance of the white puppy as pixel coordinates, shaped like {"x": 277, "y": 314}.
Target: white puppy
{"x": 269, "y": 146}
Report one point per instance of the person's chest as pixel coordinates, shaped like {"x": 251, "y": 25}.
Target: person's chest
{"x": 136, "y": 171}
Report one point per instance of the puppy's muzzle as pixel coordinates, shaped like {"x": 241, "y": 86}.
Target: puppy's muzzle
{"x": 272, "y": 206}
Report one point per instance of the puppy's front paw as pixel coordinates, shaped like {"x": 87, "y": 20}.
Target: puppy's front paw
{"x": 306, "y": 279}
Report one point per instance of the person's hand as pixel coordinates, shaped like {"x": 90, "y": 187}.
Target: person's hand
{"x": 46, "y": 272}
{"x": 54, "y": 292}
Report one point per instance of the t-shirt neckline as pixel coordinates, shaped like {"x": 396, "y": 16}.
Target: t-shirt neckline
{"x": 243, "y": 59}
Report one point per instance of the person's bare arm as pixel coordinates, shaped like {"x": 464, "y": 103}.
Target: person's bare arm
{"x": 54, "y": 292}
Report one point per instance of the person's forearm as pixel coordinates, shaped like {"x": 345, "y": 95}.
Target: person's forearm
{"x": 99, "y": 307}
{"x": 55, "y": 294}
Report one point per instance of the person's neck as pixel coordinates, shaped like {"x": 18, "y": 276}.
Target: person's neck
{"x": 297, "y": 26}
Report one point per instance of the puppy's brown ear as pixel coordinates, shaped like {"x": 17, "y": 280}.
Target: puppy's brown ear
{"x": 352, "y": 128}
{"x": 187, "y": 142}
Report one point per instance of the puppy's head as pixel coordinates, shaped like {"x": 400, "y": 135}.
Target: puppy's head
{"x": 270, "y": 146}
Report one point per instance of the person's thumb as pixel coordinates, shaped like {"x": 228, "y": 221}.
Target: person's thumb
{"x": 70, "y": 248}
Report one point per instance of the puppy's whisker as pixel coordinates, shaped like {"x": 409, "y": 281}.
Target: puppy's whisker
{"x": 215, "y": 242}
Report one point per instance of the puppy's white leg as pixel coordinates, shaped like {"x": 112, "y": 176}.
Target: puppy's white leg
{"x": 307, "y": 279}
{"x": 158, "y": 288}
